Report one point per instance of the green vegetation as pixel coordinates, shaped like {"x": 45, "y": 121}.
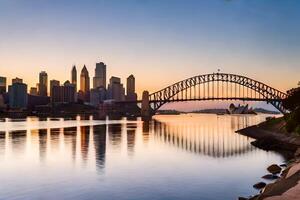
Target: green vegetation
{"x": 292, "y": 103}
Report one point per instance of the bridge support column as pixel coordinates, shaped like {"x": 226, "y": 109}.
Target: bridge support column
{"x": 146, "y": 111}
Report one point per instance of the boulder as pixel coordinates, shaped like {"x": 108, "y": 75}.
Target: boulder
{"x": 274, "y": 169}
{"x": 259, "y": 185}
{"x": 270, "y": 177}
{"x": 254, "y": 197}
{"x": 283, "y": 165}
{"x": 242, "y": 198}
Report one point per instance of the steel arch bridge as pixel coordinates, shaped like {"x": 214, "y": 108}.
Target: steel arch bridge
{"x": 217, "y": 86}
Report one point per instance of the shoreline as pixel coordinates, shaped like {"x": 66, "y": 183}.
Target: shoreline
{"x": 287, "y": 186}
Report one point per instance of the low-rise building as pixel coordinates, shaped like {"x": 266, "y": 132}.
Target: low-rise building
{"x": 64, "y": 93}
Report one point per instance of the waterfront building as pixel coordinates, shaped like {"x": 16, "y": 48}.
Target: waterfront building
{"x": 34, "y": 101}
{"x": 100, "y": 76}
{"x": 52, "y": 84}
{"x": 85, "y": 83}
{"x": 74, "y": 77}
{"x": 115, "y": 89}
{"x": 17, "y": 95}
{"x": 16, "y": 80}
{"x": 2, "y": 85}
{"x": 130, "y": 89}
{"x": 97, "y": 96}
{"x": 69, "y": 92}
{"x": 64, "y": 93}
{"x": 33, "y": 91}
{"x": 43, "y": 83}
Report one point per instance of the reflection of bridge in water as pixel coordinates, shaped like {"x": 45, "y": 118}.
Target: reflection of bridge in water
{"x": 206, "y": 138}
{"x": 89, "y": 146}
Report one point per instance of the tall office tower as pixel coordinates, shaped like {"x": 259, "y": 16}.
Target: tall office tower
{"x": 84, "y": 80}
{"x": 2, "y": 85}
{"x": 100, "y": 76}
{"x": 130, "y": 89}
{"x": 17, "y": 80}
{"x": 52, "y": 84}
{"x": 43, "y": 83}
{"x": 115, "y": 89}
{"x": 85, "y": 83}
{"x": 74, "y": 77}
{"x": 17, "y": 93}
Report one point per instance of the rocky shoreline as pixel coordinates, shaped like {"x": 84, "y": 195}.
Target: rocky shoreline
{"x": 287, "y": 184}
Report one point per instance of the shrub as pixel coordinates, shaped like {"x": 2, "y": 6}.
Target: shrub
{"x": 292, "y": 103}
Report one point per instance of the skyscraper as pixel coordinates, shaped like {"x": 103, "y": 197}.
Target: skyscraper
{"x": 115, "y": 89}
{"x": 52, "y": 84}
{"x": 85, "y": 83}
{"x": 130, "y": 89}
{"x": 74, "y": 77}
{"x": 84, "y": 80}
{"x": 43, "y": 83}
{"x": 100, "y": 76}
{"x": 2, "y": 85}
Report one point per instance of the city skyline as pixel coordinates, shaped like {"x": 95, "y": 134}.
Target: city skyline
{"x": 250, "y": 37}
{"x": 100, "y": 99}
{"x": 89, "y": 89}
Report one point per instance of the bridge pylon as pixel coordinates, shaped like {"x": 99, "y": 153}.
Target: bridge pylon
{"x": 146, "y": 110}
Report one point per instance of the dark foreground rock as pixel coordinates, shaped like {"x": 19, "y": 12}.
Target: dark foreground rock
{"x": 287, "y": 187}
{"x": 274, "y": 169}
{"x": 270, "y": 177}
{"x": 259, "y": 185}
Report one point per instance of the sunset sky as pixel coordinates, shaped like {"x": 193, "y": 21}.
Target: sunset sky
{"x": 159, "y": 41}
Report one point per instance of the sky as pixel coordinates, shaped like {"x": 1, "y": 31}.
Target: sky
{"x": 159, "y": 41}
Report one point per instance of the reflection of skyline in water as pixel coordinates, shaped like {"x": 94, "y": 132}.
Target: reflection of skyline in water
{"x": 85, "y": 145}
{"x": 130, "y": 159}
{"x": 71, "y": 142}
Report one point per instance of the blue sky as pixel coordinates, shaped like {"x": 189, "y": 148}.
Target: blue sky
{"x": 165, "y": 40}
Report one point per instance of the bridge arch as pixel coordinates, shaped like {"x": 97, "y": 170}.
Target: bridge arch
{"x": 217, "y": 86}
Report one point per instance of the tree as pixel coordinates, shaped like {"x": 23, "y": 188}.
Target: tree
{"x": 292, "y": 102}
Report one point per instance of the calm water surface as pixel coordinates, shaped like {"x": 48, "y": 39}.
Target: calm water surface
{"x": 193, "y": 156}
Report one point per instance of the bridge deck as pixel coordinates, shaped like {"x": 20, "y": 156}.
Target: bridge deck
{"x": 204, "y": 99}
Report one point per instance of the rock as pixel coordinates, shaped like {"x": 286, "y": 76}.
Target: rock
{"x": 297, "y": 153}
{"x": 254, "y": 197}
{"x": 283, "y": 165}
{"x": 242, "y": 198}
{"x": 270, "y": 177}
{"x": 259, "y": 185}
{"x": 274, "y": 169}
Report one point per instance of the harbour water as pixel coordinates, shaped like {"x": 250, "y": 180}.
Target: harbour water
{"x": 190, "y": 156}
